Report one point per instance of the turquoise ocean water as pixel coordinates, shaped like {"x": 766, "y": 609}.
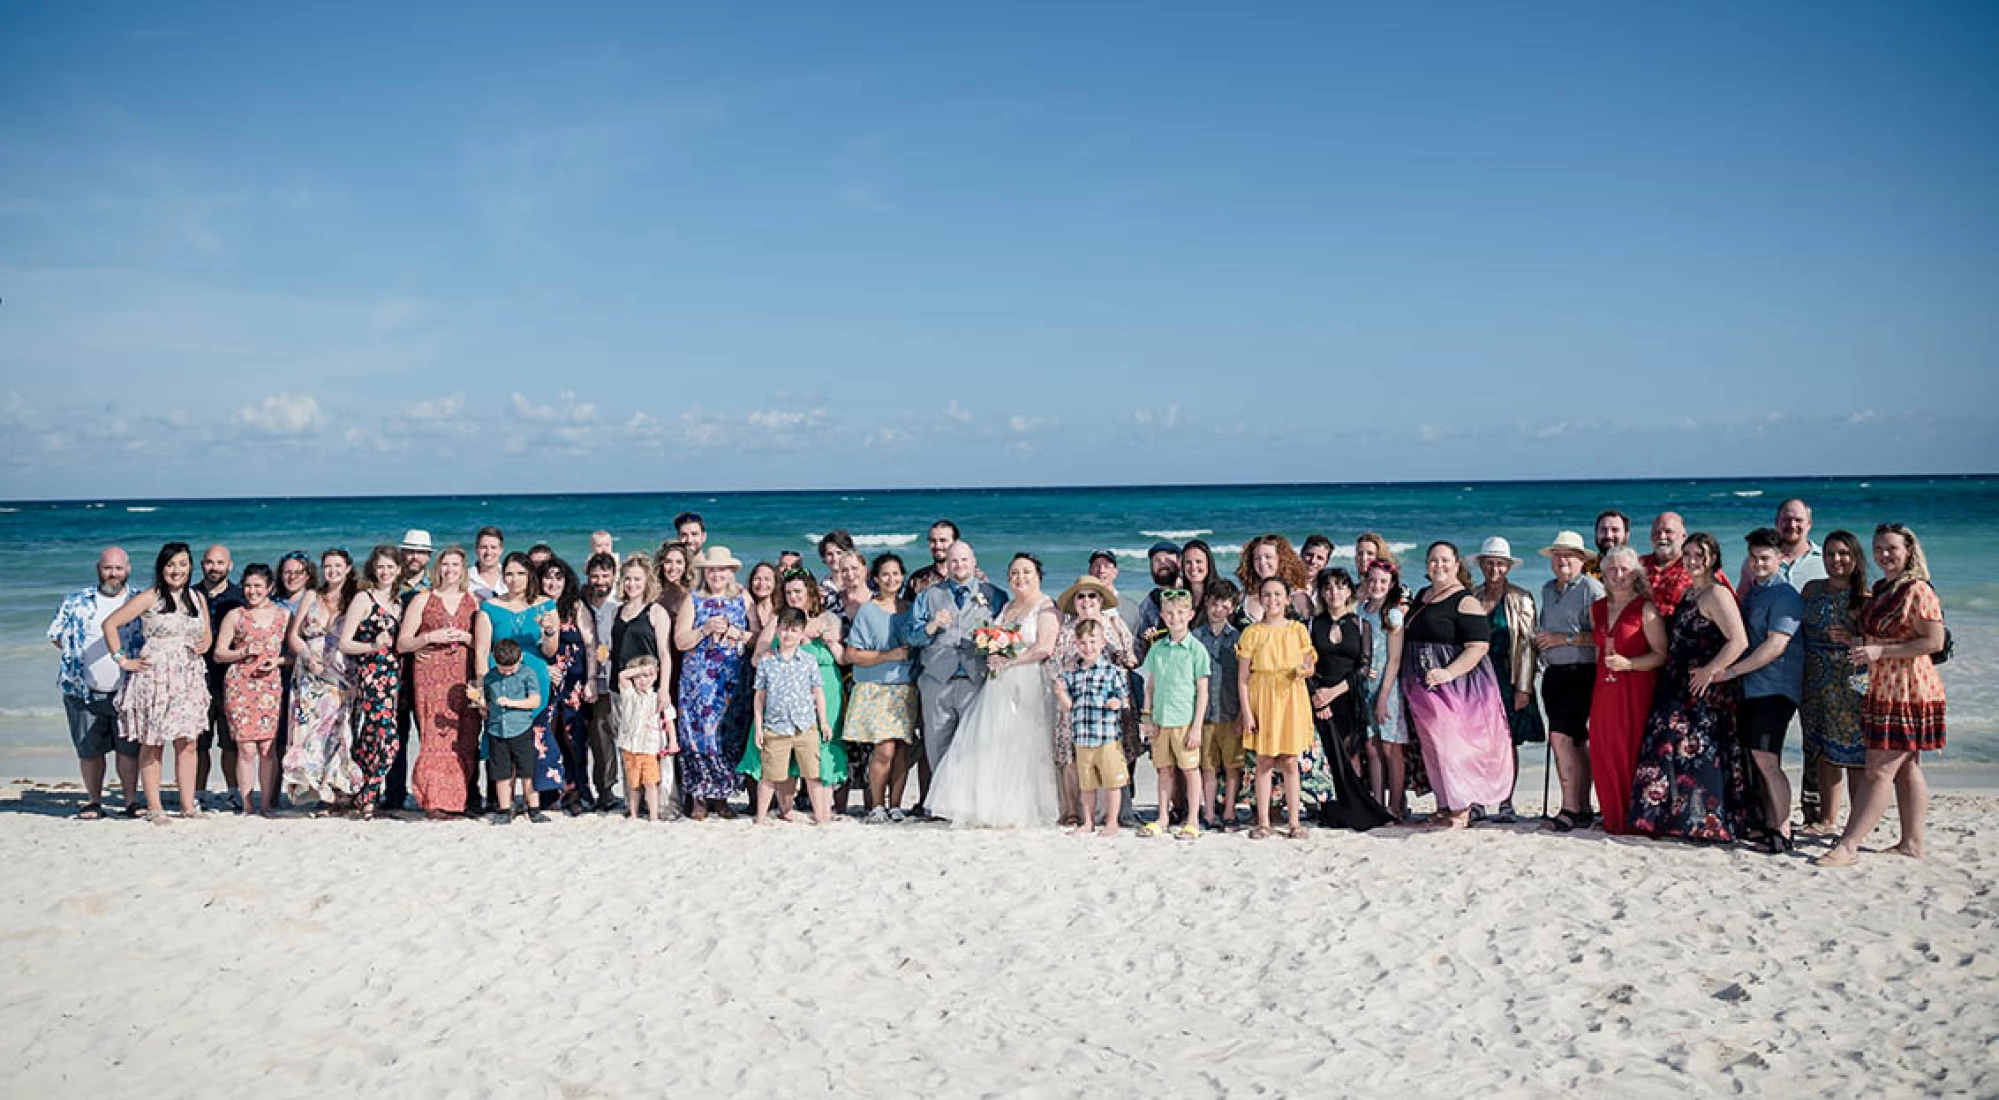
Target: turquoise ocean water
{"x": 47, "y": 548}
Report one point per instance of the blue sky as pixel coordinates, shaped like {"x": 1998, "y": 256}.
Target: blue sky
{"x": 247, "y": 249}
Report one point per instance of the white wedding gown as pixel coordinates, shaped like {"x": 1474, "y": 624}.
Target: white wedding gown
{"x": 1000, "y": 771}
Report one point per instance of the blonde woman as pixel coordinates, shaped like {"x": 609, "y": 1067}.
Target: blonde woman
{"x": 437, "y": 628}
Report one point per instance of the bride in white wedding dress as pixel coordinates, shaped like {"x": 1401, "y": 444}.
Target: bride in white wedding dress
{"x": 1000, "y": 772}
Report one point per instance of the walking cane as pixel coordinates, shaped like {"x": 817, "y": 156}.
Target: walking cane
{"x": 1547, "y": 755}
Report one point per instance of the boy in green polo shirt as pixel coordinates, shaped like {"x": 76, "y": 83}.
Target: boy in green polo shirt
{"x": 1176, "y": 672}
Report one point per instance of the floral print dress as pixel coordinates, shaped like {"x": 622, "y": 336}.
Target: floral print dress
{"x": 1689, "y": 782}
{"x": 561, "y": 733}
{"x": 168, "y": 700}
{"x": 378, "y": 677}
{"x": 253, "y": 697}
{"x": 714, "y": 709}
{"x": 319, "y": 762}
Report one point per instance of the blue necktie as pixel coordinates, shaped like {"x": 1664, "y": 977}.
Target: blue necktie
{"x": 961, "y": 591}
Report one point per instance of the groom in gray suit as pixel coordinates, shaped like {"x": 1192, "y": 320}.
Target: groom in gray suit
{"x": 953, "y": 671}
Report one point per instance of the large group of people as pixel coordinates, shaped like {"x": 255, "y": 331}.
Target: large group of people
{"x": 1311, "y": 692}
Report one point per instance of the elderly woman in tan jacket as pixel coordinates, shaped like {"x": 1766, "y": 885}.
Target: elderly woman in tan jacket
{"x": 1514, "y": 659}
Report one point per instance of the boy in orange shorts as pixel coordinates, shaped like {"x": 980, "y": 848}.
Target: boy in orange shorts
{"x": 645, "y": 733}
{"x": 1176, "y": 673}
{"x": 1093, "y": 695}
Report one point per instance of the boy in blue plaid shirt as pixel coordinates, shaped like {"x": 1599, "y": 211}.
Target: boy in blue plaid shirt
{"x": 1094, "y": 695}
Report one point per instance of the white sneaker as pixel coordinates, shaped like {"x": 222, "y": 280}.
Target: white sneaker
{"x": 877, "y": 816}
{"x": 897, "y": 816}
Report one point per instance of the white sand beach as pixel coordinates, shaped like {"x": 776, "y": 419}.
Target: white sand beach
{"x": 599, "y": 958}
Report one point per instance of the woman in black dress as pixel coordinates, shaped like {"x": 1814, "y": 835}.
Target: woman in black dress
{"x": 1336, "y": 693}
{"x": 1690, "y": 780}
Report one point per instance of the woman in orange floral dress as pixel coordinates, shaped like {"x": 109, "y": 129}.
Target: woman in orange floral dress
{"x": 1903, "y": 714}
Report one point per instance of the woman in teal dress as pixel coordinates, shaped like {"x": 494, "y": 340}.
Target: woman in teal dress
{"x": 822, "y": 641}
{"x": 531, "y": 624}
{"x": 1830, "y": 710}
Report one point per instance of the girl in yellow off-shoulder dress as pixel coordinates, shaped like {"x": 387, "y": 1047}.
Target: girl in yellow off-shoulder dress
{"x": 1275, "y": 656}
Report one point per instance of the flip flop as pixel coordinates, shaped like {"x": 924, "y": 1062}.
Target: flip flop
{"x": 1836, "y": 858}
{"x": 1295, "y": 832}
{"x": 1148, "y": 829}
{"x": 92, "y": 811}
{"x": 1258, "y": 833}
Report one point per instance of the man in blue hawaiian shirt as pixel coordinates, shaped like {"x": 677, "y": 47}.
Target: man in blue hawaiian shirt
{"x": 89, "y": 678}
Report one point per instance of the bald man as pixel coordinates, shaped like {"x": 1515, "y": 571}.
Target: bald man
{"x": 222, "y": 596}
{"x": 89, "y": 677}
{"x": 1665, "y": 571}
{"x": 941, "y": 626}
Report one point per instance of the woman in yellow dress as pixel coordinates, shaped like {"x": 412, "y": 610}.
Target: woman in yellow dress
{"x": 1275, "y": 655}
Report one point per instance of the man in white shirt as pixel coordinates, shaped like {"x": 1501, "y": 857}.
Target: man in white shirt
{"x": 488, "y": 546}
{"x": 89, "y": 678}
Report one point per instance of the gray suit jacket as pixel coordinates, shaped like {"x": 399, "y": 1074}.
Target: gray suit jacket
{"x": 950, "y": 651}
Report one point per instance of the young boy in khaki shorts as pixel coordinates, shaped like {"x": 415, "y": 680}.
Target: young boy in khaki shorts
{"x": 1176, "y": 672}
{"x": 789, "y": 715}
{"x": 1093, "y": 695}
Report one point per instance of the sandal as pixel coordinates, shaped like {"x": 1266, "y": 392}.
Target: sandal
{"x": 133, "y": 809}
{"x": 92, "y": 811}
{"x": 1295, "y": 832}
{"x": 1258, "y": 832}
{"x": 1563, "y": 822}
{"x": 1150, "y": 828}
{"x": 1070, "y": 821}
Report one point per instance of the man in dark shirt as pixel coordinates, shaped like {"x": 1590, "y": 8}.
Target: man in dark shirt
{"x": 222, "y": 596}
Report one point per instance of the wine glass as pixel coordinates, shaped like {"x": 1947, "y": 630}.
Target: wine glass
{"x": 1608, "y": 646}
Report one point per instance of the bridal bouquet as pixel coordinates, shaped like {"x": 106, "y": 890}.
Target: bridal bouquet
{"x": 997, "y": 641}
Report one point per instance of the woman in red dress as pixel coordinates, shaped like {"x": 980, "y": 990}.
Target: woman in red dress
{"x": 1902, "y": 716}
{"x": 438, "y": 629}
{"x": 1630, "y": 645}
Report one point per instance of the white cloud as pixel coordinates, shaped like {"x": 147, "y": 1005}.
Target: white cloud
{"x": 1429, "y": 433}
{"x": 283, "y": 414}
{"x": 1863, "y": 416}
{"x": 956, "y": 412}
{"x": 572, "y": 411}
{"x": 444, "y": 408}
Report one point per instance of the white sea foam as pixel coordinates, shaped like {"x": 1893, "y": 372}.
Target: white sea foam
{"x": 30, "y": 712}
{"x": 1393, "y": 548}
{"x": 875, "y": 542}
{"x": 1749, "y": 493}
{"x": 9, "y": 511}
{"x": 141, "y": 508}
{"x": 1179, "y": 536}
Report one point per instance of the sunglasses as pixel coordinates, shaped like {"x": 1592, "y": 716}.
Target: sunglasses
{"x": 1175, "y": 594}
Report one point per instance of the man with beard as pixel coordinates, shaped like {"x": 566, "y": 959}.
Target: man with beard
{"x": 414, "y": 553}
{"x": 1613, "y": 529}
{"x": 1164, "y": 561}
{"x": 89, "y": 677}
{"x": 942, "y": 534}
{"x": 222, "y": 596}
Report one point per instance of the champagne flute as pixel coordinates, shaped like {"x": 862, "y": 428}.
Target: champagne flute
{"x": 1609, "y": 649}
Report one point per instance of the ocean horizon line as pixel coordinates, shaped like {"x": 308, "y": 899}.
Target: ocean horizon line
{"x": 946, "y": 489}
